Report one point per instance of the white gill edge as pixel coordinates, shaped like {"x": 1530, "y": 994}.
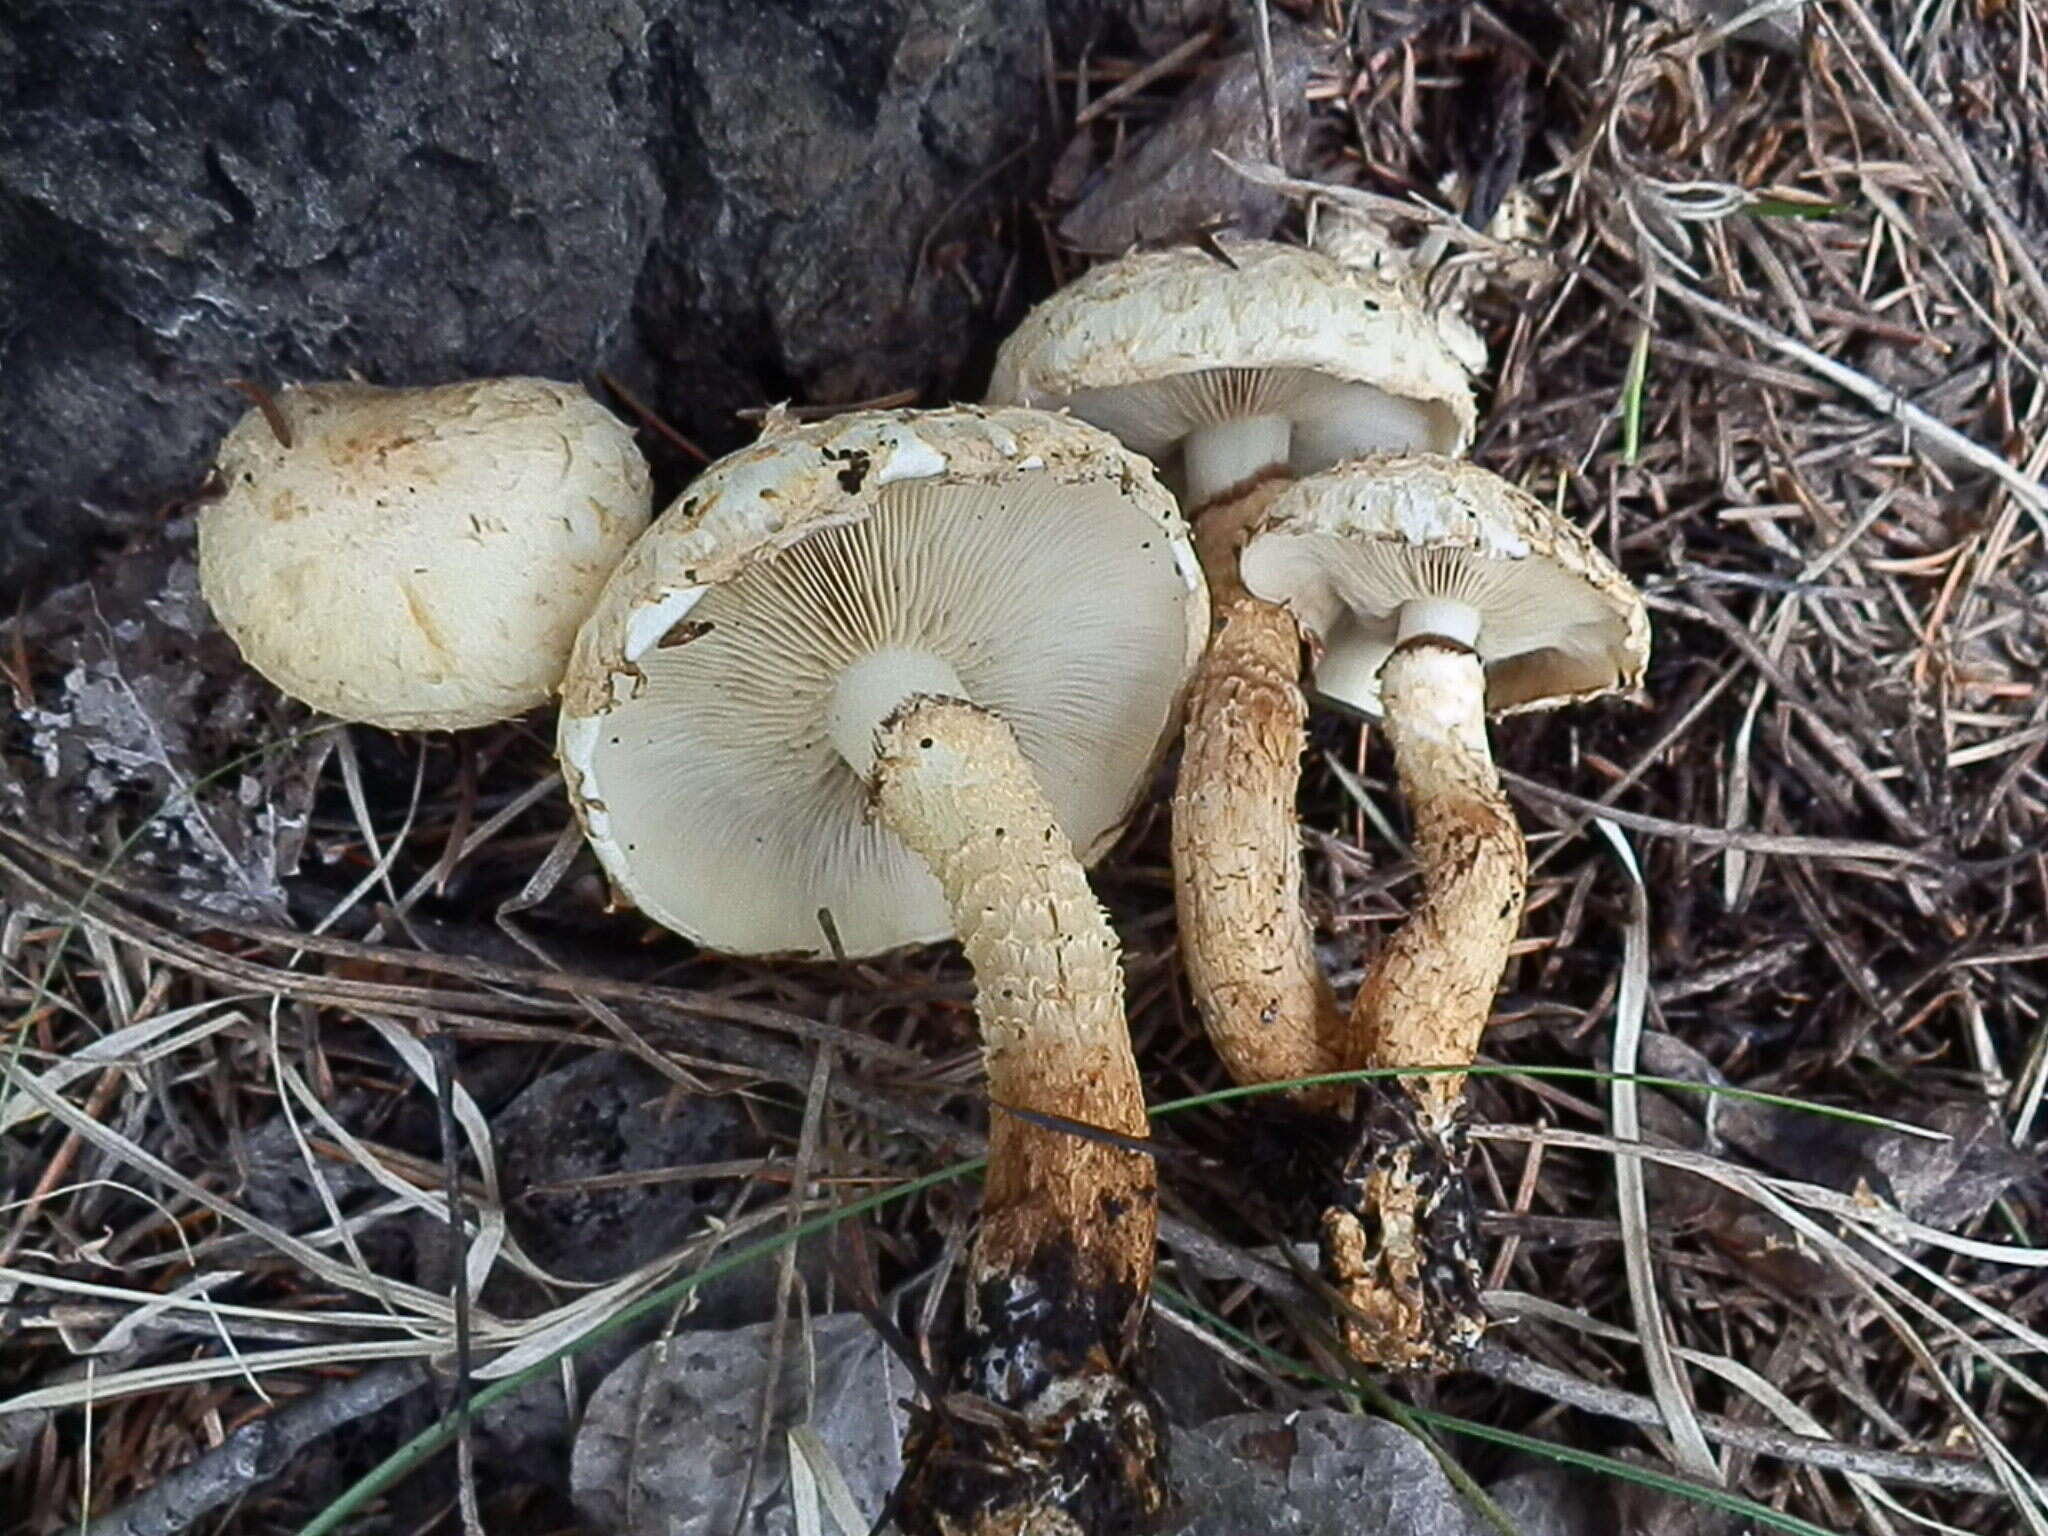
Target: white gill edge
{"x": 1184, "y": 559}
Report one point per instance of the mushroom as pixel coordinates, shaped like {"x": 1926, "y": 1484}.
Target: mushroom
{"x": 1439, "y": 594}
{"x": 1270, "y": 359}
{"x": 419, "y": 558}
{"x": 887, "y": 673}
{"x": 1237, "y": 373}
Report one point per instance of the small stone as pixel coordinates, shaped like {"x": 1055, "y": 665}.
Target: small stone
{"x": 1172, "y": 184}
{"x": 592, "y": 1120}
{"x": 1555, "y": 1501}
{"x": 668, "y": 1440}
{"x": 1321, "y": 1473}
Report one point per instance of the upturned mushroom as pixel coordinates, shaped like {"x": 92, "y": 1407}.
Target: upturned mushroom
{"x": 419, "y": 558}
{"x": 888, "y": 673}
{"x": 1438, "y": 594}
{"x": 1237, "y": 373}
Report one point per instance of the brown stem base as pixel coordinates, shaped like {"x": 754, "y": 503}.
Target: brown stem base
{"x": 1052, "y": 1430}
{"x": 1236, "y": 845}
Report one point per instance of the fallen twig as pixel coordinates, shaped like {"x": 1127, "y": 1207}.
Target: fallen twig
{"x": 257, "y": 1452}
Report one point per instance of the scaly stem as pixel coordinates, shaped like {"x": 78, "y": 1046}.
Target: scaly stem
{"x": 1237, "y": 862}
{"x": 1062, "y": 1263}
{"x": 1427, "y": 999}
{"x": 1399, "y": 1241}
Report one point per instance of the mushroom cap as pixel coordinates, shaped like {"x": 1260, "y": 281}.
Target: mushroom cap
{"x": 1160, "y": 342}
{"x": 1032, "y": 554}
{"x": 420, "y": 558}
{"x": 1345, "y": 549}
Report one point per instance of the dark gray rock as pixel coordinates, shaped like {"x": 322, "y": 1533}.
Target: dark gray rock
{"x": 1172, "y": 184}
{"x": 829, "y": 166}
{"x": 1149, "y": 27}
{"x": 602, "y": 1116}
{"x": 411, "y": 189}
{"x": 607, "y": 1114}
{"x": 727, "y": 199}
{"x": 1319, "y": 1473}
{"x": 1555, "y": 1501}
{"x": 668, "y": 1443}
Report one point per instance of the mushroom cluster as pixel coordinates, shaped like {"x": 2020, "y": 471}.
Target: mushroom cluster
{"x": 899, "y": 676}
{"x": 1239, "y": 374}
{"x": 1437, "y": 594}
{"x": 1310, "y": 404}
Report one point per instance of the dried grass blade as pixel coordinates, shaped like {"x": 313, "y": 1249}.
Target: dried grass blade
{"x": 2027, "y": 491}
{"x": 136, "y": 1046}
{"x": 126, "y": 1151}
{"x": 1689, "y": 1441}
{"x": 808, "y": 1451}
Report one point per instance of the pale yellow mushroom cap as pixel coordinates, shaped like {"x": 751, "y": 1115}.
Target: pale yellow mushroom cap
{"x": 1029, "y": 554}
{"x": 420, "y": 558}
{"x": 1159, "y": 343}
{"x": 1347, "y": 549}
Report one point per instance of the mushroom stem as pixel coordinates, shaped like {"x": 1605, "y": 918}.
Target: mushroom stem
{"x": 1236, "y": 847}
{"x": 1399, "y": 1241}
{"x": 1440, "y": 618}
{"x": 1062, "y": 1265}
{"x": 1427, "y": 999}
{"x": 872, "y": 687}
{"x": 1225, "y": 455}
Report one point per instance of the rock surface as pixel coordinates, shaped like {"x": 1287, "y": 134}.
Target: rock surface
{"x": 602, "y": 1116}
{"x": 1321, "y": 1473}
{"x": 726, "y": 199}
{"x": 1172, "y": 183}
{"x": 665, "y": 1447}
{"x": 825, "y": 162}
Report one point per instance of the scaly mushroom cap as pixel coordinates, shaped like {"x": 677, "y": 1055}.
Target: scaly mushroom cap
{"x": 1159, "y": 343}
{"x": 419, "y": 558}
{"x": 1346, "y": 550}
{"x": 1020, "y": 560}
